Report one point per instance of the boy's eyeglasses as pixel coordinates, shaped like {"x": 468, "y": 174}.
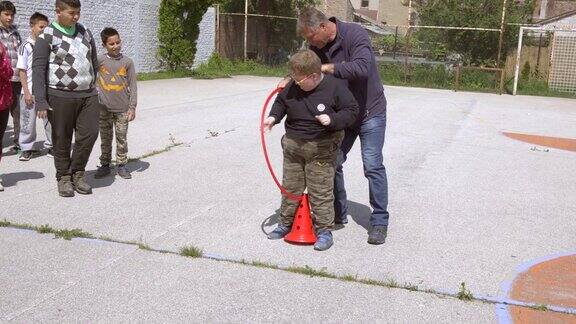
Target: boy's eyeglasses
{"x": 299, "y": 82}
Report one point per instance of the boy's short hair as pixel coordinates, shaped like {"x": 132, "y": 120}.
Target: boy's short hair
{"x": 7, "y": 6}
{"x": 305, "y": 62}
{"x": 62, "y": 4}
{"x": 107, "y": 33}
{"x": 37, "y": 17}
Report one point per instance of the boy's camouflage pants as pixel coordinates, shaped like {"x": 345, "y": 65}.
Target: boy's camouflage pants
{"x": 310, "y": 164}
{"x": 110, "y": 122}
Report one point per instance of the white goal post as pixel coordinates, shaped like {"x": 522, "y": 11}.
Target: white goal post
{"x": 565, "y": 57}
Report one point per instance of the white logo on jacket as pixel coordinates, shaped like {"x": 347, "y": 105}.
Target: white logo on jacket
{"x": 321, "y": 107}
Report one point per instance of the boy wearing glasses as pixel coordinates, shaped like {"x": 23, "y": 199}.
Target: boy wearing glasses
{"x": 318, "y": 107}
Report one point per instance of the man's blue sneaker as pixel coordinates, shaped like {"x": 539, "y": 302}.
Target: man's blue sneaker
{"x": 324, "y": 241}
{"x": 279, "y": 232}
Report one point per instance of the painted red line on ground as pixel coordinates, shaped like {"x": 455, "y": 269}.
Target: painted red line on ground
{"x": 567, "y": 144}
{"x": 551, "y": 282}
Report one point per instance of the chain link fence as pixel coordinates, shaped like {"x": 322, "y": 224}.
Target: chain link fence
{"x": 421, "y": 55}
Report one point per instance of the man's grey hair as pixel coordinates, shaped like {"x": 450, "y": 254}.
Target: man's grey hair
{"x": 310, "y": 18}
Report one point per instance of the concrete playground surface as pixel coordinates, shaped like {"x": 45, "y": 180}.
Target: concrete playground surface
{"x": 482, "y": 227}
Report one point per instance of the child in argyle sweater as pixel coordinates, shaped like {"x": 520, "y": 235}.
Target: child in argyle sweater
{"x": 64, "y": 76}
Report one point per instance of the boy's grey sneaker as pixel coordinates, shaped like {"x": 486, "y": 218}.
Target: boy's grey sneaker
{"x": 324, "y": 240}
{"x": 25, "y": 156}
{"x": 279, "y": 232}
{"x": 80, "y": 184}
{"x": 123, "y": 172}
{"x": 65, "y": 187}
{"x": 102, "y": 171}
{"x": 377, "y": 235}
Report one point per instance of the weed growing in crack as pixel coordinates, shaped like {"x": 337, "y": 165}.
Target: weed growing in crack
{"x": 144, "y": 246}
{"x": 45, "y": 229}
{"x": 261, "y": 264}
{"x": 309, "y": 271}
{"x": 70, "y": 234}
{"x": 191, "y": 252}
{"x": 410, "y": 286}
{"x": 349, "y": 277}
{"x": 464, "y": 293}
{"x": 541, "y": 307}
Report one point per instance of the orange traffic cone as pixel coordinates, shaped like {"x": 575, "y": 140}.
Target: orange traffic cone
{"x": 302, "y": 229}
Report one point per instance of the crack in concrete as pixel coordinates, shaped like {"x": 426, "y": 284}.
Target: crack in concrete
{"x": 298, "y": 270}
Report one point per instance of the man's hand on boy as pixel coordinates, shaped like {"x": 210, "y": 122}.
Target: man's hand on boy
{"x": 29, "y": 99}
{"x": 328, "y": 68}
{"x": 324, "y": 119}
{"x": 42, "y": 114}
{"x": 269, "y": 123}
{"x": 282, "y": 84}
{"x": 131, "y": 114}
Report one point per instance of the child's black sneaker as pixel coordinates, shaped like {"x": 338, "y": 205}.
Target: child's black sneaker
{"x": 123, "y": 172}
{"x": 50, "y": 153}
{"x": 25, "y": 156}
{"x": 102, "y": 171}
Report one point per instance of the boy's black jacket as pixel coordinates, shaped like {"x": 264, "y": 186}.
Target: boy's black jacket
{"x": 330, "y": 97}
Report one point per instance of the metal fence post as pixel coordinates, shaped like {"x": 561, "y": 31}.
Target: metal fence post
{"x": 517, "y": 70}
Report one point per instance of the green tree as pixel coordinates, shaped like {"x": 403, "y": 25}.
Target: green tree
{"x": 477, "y": 47}
{"x": 178, "y": 31}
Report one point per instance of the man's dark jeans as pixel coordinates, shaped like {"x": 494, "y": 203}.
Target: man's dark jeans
{"x": 371, "y": 133}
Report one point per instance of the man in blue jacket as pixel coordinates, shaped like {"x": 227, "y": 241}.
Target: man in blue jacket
{"x": 346, "y": 52}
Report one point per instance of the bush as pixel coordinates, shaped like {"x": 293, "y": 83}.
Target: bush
{"x": 420, "y": 75}
{"x": 178, "y": 31}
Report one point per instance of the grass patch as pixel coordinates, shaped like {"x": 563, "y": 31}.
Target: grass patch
{"x": 191, "y": 252}
{"x": 410, "y": 286}
{"x": 424, "y": 76}
{"x": 436, "y": 76}
{"x": 536, "y": 87}
{"x": 161, "y": 75}
{"x": 70, "y": 234}
{"x": 144, "y": 246}
{"x": 309, "y": 271}
{"x": 217, "y": 67}
{"x": 348, "y": 277}
{"x": 464, "y": 293}
{"x": 260, "y": 264}
{"x": 541, "y": 307}
{"x": 389, "y": 283}
{"x": 45, "y": 229}
{"x": 155, "y": 152}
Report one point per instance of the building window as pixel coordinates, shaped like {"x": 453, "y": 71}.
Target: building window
{"x": 364, "y": 4}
